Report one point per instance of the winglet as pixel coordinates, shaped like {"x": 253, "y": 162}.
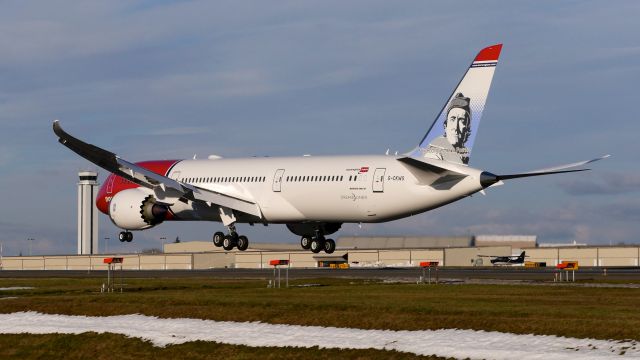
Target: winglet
{"x": 57, "y": 129}
{"x": 103, "y": 158}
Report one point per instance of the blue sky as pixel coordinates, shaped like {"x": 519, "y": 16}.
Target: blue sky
{"x": 165, "y": 79}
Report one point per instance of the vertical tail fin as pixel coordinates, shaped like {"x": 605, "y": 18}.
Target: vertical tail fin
{"x": 452, "y": 134}
{"x": 521, "y": 257}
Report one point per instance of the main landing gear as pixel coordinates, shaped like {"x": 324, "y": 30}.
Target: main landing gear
{"x": 228, "y": 242}
{"x": 125, "y": 236}
{"x": 317, "y": 244}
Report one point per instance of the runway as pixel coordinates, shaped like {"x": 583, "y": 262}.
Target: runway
{"x": 387, "y": 274}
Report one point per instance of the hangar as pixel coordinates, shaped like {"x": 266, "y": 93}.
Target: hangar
{"x": 388, "y": 252}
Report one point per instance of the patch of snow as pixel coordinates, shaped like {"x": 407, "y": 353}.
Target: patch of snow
{"x": 445, "y": 342}
{"x": 16, "y": 288}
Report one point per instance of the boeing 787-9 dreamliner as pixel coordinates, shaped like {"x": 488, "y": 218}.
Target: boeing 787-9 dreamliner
{"x": 312, "y": 195}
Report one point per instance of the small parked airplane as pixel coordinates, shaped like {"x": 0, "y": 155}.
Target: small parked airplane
{"x": 312, "y": 195}
{"x": 506, "y": 260}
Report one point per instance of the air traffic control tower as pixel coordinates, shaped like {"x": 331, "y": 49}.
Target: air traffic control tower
{"x": 87, "y": 213}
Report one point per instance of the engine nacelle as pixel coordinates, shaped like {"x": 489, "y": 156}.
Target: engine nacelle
{"x": 136, "y": 209}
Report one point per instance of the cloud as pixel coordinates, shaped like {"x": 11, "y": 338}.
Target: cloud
{"x": 214, "y": 84}
{"x": 551, "y": 222}
{"x": 177, "y": 131}
{"x": 627, "y": 210}
{"x": 602, "y": 184}
{"x": 6, "y": 156}
{"x": 243, "y": 79}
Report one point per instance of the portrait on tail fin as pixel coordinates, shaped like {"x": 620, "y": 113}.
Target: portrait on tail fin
{"x": 452, "y": 134}
{"x": 457, "y": 129}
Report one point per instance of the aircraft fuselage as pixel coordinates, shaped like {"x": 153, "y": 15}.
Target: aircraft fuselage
{"x": 340, "y": 189}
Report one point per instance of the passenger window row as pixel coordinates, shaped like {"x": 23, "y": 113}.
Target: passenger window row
{"x": 224, "y": 179}
{"x": 316, "y": 178}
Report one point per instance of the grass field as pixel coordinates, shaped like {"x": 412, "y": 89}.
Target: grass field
{"x": 610, "y": 313}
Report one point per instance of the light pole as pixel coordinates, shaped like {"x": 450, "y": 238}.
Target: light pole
{"x": 106, "y": 244}
{"x": 30, "y": 240}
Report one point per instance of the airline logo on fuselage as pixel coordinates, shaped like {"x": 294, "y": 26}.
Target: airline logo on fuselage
{"x": 353, "y": 197}
{"x": 360, "y": 170}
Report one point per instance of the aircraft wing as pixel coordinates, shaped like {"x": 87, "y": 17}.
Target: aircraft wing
{"x": 167, "y": 190}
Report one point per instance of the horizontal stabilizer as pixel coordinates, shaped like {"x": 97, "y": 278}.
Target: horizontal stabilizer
{"x": 439, "y": 174}
{"x": 433, "y": 165}
{"x": 487, "y": 179}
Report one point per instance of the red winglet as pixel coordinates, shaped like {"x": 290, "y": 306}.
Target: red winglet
{"x": 491, "y": 53}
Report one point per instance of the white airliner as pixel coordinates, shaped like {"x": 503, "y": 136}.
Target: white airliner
{"x": 312, "y": 195}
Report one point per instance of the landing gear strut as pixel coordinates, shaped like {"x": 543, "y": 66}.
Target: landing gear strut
{"x": 125, "y": 236}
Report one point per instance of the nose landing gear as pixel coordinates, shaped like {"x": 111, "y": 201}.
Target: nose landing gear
{"x": 125, "y": 236}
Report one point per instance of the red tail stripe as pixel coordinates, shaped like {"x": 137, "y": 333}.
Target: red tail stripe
{"x": 491, "y": 53}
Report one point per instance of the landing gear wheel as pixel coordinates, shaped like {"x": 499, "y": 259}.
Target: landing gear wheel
{"x": 317, "y": 245}
{"x": 243, "y": 243}
{"x": 218, "y": 238}
{"x": 305, "y": 242}
{"x": 125, "y": 236}
{"x": 329, "y": 246}
{"x": 229, "y": 242}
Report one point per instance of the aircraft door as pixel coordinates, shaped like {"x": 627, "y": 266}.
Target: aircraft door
{"x": 378, "y": 180}
{"x": 110, "y": 184}
{"x": 277, "y": 180}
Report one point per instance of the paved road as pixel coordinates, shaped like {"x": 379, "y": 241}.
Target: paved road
{"x": 398, "y": 274}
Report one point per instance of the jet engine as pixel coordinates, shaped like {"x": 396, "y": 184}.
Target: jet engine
{"x": 136, "y": 209}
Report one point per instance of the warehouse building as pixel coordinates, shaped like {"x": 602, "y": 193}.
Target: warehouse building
{"x": 515, "y": 241}
{"x": 607, "y": 256}
{"x": 394, "y": 251}
{"x": 403, "y": 242}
